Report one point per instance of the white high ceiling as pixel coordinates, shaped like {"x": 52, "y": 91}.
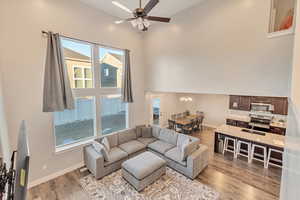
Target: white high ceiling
{"x": 165, "y": 8}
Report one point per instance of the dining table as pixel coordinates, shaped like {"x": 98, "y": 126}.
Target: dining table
{"x": 183, "y": 121}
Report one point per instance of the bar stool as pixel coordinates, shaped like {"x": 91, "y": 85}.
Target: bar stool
{"x": 259, "y": 157}
{"x": 243, "y": 152}
{"x": 228, "y": 147}
{"x": 274, "y": 159}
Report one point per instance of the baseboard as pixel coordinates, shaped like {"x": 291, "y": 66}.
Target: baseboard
{"x": 55, "y": 175}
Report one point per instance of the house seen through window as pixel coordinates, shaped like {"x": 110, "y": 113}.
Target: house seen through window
{"x": 97, "y": 111}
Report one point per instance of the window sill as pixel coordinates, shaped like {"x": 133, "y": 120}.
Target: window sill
{"x": 74, "y": 146}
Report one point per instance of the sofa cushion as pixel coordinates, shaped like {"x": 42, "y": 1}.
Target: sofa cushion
{"x": 146, "y": 141}
{"x": 160, "y": 146}
{"x": 126, "y": 136}
{"x": 138, "y": 130}
{"x": 156, "y": 131}
{"x": 175, "y": 155}
{"x": 115, "y": 155}
{"x": 132, "y": 146}
{"x": 168, "y": 135}
{"x": 147, "y": 132}
{"x": 143, "y": 165}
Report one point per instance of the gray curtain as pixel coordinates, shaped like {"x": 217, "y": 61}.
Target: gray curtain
{"x": 57, "y": 91}
{"x": 127, "y": 87}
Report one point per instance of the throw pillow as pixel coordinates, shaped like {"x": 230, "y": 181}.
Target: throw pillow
{"x": 97, "y": 146}
{"x": 184, "y": 149}
{"x": 146, "y": 132}
{"x": 101, "y": 149}
{"x": 105, "y": 143}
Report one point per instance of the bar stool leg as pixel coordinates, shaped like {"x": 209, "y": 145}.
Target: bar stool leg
{"x": 265, "y": 158}
{"x": 224, "y": 145}
{"x": 249, "y": 153}
{"x": 269, "y": 156}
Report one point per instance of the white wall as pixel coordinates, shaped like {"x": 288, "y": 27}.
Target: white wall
{"x": 22, "y": 62}
{"x": 291, "y": 171}
{"x": 169, "y": 104}
{"x": 219, "y": 47}
{"x": 214, "y": 106}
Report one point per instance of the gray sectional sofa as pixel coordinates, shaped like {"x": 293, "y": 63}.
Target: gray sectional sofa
{"x": 163, "y": 142}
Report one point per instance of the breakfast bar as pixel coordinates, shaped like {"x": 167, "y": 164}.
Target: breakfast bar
{"x": 262, "y": 138}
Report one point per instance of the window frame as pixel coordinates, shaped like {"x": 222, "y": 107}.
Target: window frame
{"x": 97, "y": 92}
{"x": 82, "y": 68}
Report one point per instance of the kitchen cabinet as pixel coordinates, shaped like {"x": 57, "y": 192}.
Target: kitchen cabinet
{"x": 242, "y": 124}
{"x": 240, "y": 102}
{"x": 280, "y": 105}
{"x": 277, "y": 130}
{"x": 231, "y": 122}
{"x": 244, "y": 103}
{"x": 237, "y": 123}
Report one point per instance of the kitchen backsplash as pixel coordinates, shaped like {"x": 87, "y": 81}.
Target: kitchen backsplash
{"x": 241, "y": 113}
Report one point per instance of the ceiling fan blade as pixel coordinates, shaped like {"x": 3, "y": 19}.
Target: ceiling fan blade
{"x": 122, "y": 6}
{"x": 151, "y": 4}
{"x": 159, "y": 19}
{"x": 124, "y": 20}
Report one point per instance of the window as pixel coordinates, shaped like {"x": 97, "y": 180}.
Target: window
{"x": 74, "y": 125}
{"x": 111, "y": 67}
{"x": 113, "y": 114}
{"x": 95, "y": 74}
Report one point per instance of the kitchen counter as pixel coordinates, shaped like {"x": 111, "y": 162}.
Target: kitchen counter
{"x": 247, "y": 119}
{"x": 269, "y": 139}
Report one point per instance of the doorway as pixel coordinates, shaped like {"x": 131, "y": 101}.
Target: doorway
{"x": 156, "y": 111}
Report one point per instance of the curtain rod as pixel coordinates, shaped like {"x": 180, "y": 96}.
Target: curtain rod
{"x": 103, "y": 45}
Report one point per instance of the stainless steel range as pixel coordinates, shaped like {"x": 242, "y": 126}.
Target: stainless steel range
{"x": 261, "y": 116}
{"x": 260, "y": 121}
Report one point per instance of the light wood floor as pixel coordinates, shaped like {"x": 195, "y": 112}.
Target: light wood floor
{"x": 232, "y": 178}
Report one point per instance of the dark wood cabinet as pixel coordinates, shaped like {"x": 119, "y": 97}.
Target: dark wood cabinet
{"x": 240, "y": 102}
{"x": 237, "y": 123}
{"x": 242, "y": 124}
{"x": 277, "y": 130}
{"x": 280, "y": 105}
{"x": 231, "y": 122}
{"x": 234, "y": 102}
{"x": 244, "y": 103}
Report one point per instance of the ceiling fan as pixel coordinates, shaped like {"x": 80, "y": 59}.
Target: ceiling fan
{"x": 140, "y": 17}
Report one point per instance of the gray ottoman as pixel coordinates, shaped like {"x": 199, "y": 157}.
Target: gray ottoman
{"x": 143, "y": 170}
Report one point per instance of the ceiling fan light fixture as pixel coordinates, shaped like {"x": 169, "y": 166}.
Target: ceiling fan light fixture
{"x": 146, "y": 23}
{"x": 141, "y": 27}
{"x": 134, "y": 23}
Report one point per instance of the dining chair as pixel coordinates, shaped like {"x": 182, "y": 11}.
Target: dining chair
{"x": 189, "y": 128}
{"x": 199, "y": 122}
{"x": 172, "y": 125}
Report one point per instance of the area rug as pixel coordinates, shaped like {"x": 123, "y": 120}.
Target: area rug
{"x": 172, "y": 186}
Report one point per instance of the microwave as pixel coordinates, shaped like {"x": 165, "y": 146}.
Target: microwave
{"x": 262, "y": 107}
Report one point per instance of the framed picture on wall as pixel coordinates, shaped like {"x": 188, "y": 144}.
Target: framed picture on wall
{"x": 282, "y": 18}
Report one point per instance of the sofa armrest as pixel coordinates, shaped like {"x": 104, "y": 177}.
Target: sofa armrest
{"x": 198, "y": 160}
{"x": 94, "y": 161}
